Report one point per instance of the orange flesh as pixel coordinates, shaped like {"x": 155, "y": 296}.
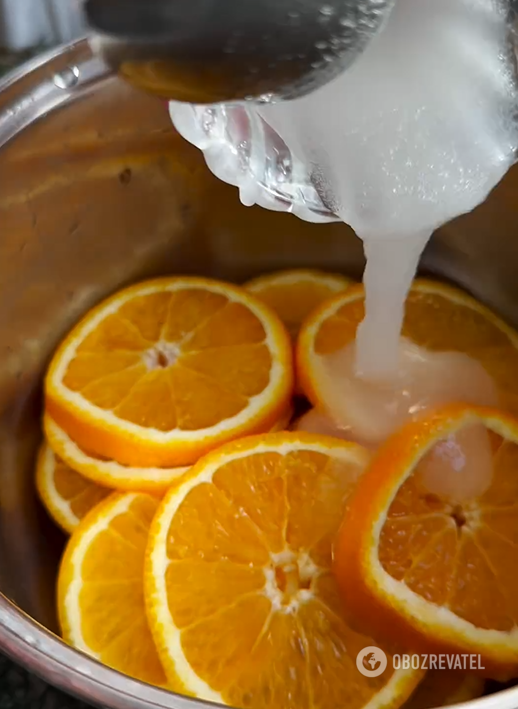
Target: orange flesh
{"x": 462, "y": 557}
{"x": 254, "y": 596}
{"x": 293, "y": 302}
{"x": 111, "y": 599}
{"x": 82, "y": 494}
{"x": 187, "y": 359}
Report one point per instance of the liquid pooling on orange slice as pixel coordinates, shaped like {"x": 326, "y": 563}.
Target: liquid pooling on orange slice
{"x": 438, "y": 320}
{"x": 440, "y": 570}
{"x": 320, "y": 423}
{"x": 424, "y": 380}
{"x": 100, "y": 587}
{"x": 165, "y": 370}
{"x": 67, "y": 495}
{"x": 246, "y": 611}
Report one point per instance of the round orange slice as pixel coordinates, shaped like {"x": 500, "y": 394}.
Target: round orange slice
{"x": 239, "y": 591}
{"x": 444, "y": 688}
{"x": 100, "y": 594}
{"x": 108, "y": 472}
{"x": 66, "y": 495}
{"x": 440, "y": 575}
{"x": 294, "y": 293}
{"x": 438, "y": 317}
{"x": 164, "y": 371}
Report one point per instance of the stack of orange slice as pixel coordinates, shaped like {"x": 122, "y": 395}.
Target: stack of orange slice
{"x": 151, "y": 379}
{"x": 248, "y": 567}
{"x": 236, "y": 581}
{"x": 66, "y": 494}
{"x": 166, "y": 370}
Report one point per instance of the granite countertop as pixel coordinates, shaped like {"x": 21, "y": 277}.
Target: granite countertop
{"x": 10, "y": 59}
{"x": 21, "y": 690}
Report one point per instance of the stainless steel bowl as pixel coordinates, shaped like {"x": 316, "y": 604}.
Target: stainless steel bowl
{"x": 97, "y": 191}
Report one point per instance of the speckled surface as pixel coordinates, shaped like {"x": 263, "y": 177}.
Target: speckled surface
{"x": 21, "y": 690}
{"x": 9, "y": 59}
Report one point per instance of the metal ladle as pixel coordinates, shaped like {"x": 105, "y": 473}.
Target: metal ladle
{"x": 209, "y": 51}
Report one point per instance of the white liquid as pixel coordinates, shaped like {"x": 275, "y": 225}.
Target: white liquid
{"x": 424, "y": 380}
{"x": 459, "y": 468}
{"x": 418, "y": 131}
{"x": 367, "y": 412}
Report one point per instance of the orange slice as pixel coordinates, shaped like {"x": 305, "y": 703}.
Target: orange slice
{"x": 109, "y": 472}
{"x": 438, "y": 317}
{"x": 100, "y": 594}
{"x": 293, "y": 294}
{"x": 67, "y": 495}
{"x": 239, "y": 592}
{"x": 441, "y": 576}
{"x": 166, "y": 370}
{"x": 113, "y": 474}
{"x": 443, "y": 688}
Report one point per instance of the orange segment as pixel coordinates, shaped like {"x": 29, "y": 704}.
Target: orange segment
{"x": 243, "y": 369}
{"x": 100, "y": 594}
{"x": 89, "y": 367}
{"x": 235, "y": 324}
{"x": 293, "y": 294}
{"x": 437, "y": 316}
{"x": 442, "y": 575}
{"x": 67, "y": 495}
{"x": 442, "y": 688}
{"x": 190, "y": 310}
{"x": 201, "y": 402}
{"x": 244, "y": 611}
{"x": 166, "y": 370}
